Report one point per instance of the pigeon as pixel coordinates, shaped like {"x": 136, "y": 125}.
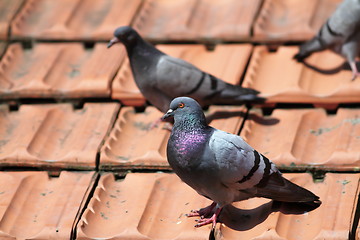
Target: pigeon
{"x": 161, "y": 77}
{"x": 340, "y": 33}
{"x": 222, "y": 166}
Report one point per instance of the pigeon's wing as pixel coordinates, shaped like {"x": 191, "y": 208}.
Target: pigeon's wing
{"x": 241, "y": 167}
{"x": 184, "y": 79}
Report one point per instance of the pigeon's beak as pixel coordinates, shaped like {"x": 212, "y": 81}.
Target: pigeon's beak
{"x": 168, "y": 114}
{"x": 112, "y": 42}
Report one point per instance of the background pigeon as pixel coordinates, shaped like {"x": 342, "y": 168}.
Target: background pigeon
{"x": 222, "y": 166}
{"x": 161, "y": 77}
{"x": 340, "y": 33}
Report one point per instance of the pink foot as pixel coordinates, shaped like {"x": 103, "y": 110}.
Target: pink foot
{"x": 355, "y": 75}
{"x": 202, "y": 212}
{"x": 355, "y": 72}
{"x": 205, "y": 221}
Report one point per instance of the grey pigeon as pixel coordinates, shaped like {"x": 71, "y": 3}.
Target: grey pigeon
{"x": 340, "y": 33}
{"x": 161, "y": 77}
{"x": 222, "y": 166}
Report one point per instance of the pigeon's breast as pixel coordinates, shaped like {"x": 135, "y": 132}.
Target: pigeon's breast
{"x": 187, "y": 146}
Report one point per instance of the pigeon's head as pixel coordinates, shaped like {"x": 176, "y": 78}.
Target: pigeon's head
{"x": 125, "y": 34}
{"x": 182, "y": 107}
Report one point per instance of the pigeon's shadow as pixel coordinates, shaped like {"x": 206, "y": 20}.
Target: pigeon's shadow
{"x": 254, "y": 117}
{"x": 343, "y": 66}
{"x": 242, "y": 220}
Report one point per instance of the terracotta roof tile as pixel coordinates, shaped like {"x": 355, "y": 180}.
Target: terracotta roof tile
{"x": 72, "y": 19}
{"x": 226, "y": 61}
{"x": 54, "y": 135}
{"x": 282, "y": 79}
{"x": 122, "y": 149}
{"x": 294, "y": 20}
{"x": 309, "y": 138}
{"x": 8, "y": 10}
{"x": 196, "y": 20}
{"x": 34, "y": 206}
{"x": 58, "y": 70}
{"x": 153, "y": 206}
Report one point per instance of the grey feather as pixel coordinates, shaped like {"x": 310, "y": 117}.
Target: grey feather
{"x": 340, "y": 33}
{"x": 220, "y": 165}
{"x": 161, "y": 77}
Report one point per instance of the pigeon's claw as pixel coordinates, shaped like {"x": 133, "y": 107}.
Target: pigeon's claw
{"x": 212, "y": 220}
{"x": 355, "y": 75}
{"x": 203, "y": 212}
{"x": 355, "y": 71}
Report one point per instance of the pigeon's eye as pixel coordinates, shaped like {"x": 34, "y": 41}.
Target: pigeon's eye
{"x": 181, "y": 105}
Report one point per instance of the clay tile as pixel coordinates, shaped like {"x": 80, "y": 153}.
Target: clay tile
{"x": 54, "y": 135}
{"x": 310, "y": 138}
{"x": 35, "y": 206}
{"x": 8, "y": 11}
{"x": 225, "y": 20}
{"x": 281, "y": 79}
{"x": 295, "y": 20}
{"x": 153, "y": 206}
{"x": 72, "y": 19}
{"x": 58, "y": 70}
{"x": 227, "y": 62}
{"x": 122, "y": 148}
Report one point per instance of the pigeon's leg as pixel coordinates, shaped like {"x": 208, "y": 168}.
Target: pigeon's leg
{"x": 355, "y": 71}
{"x": 205, "y": 221}
{"x": 202, "y": 212}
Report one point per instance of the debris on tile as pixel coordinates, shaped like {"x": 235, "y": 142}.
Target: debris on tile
{"x": 294, "y": 20}
{"x": 153, "y": 206}
{"x": 281, "y": 79}
{"x": 227, "y": 62}
{"x": 142, "y": 206}
{"x": 54, "y": 135}
{"x": 36, "y": 206}
{"x": 72, "y": 19}
{"x": 132, "y": 144}
{"x": 58, "y": 70}
{"x": 307, "y": 138}
{"x": 228, "y": 20}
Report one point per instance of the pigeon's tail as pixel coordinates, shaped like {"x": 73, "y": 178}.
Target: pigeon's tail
{"x": 309, "y": 47}
{"x": 236, "y": 95}
{"x": 280, "y": 189}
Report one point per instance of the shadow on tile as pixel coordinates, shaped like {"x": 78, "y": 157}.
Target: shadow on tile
{"x": 343, "y": 66}
{"x": 246, "y": 219}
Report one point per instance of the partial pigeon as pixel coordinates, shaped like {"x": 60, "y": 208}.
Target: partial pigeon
{"x": 161, "y": 77}
{"x": 222, "y": 166}
{"x": 340, "y": 33}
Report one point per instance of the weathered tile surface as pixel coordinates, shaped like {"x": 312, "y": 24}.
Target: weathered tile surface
{"x": 8, "y": 10}
{"x": 227, "y": 62}
{"x": 36, "y": 206}
{"x": 281, "y": 79}
{"x": 72, "y": 19}
{"x": 307, "y": 138}
{"x": 153, "y": 206}
{"x": 132, "y": 145}
{"x": 203, "y": 20}
{"x": 292, "y": 20}
{"x": 54, "y": 135}
{"x": 58, "y": 70}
